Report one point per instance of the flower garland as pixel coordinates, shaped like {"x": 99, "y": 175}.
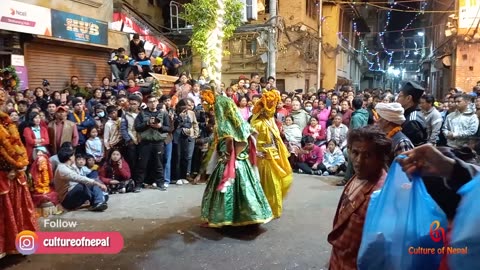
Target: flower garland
{"x": 11, "y": 147}
{"x": 80, "y": 121}
{"x": 208, "y": 97}
{"x": 394, "y": 131}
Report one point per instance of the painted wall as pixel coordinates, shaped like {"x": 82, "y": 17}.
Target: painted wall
{"x": 329, "y": 42}
{"x": 467, "y": 71}
{"x": 103, "y": 12}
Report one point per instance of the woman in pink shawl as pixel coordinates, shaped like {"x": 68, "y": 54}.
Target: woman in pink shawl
{"x": 322, "y": 114}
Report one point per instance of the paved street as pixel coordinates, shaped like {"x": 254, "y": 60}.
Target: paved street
{"x": 161, "y": 231}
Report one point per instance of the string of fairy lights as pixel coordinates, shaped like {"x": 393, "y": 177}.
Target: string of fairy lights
{"x": 374, "y": 63}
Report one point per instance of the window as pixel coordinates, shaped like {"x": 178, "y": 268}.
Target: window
{"x": 251, "y": 47}
{"x": 311, "y": 8}
{"x": 280, "y": 84}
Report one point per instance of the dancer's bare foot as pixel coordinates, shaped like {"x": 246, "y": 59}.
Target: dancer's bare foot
{"x": 204, "y": 225}
{"x": 197, "y": 179}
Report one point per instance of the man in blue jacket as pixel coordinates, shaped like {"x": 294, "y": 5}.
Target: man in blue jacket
{"x": 84, "y": 122}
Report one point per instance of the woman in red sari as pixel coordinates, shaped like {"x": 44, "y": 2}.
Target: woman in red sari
{"x": 17, "y": 212}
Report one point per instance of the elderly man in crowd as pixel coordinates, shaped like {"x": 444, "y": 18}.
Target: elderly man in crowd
{"x": 369, "y": 149}
{"x": 391, "y": 119}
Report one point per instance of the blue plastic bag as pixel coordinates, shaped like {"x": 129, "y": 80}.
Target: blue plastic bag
{"x": 465, "y": 236}
{"x": 399, "y": 221}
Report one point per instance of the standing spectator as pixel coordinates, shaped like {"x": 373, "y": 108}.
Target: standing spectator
{"x": 111, "y": 135}
{"x": 83, "y": 120}
{"x": 181, "y": 143}
{"x": 129, "y": 134}
{"x": 462, "y": 124}
{"x": 152, "y": 126}
{"x": 120, "y": 65}
{"x": 94, "y": 145}
{"x": 136, "y": 46}
{"x": 359, "y": 116}
{"x": 195, "y": 93}
{"x": 370, "y": 151}
{"x": 61, "y": 130}
{"x": 74, "y": 88}
{"x": 414, "y": 126}
{"x": 346, "y": 112}
{"x": 36, "y": 136}
{"x": 433, "y": 118}
{"x": 391, "y": 119}
{"x": 172, "y": 64}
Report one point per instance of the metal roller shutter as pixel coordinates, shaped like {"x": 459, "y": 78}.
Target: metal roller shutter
{"x": 57, "y": 63}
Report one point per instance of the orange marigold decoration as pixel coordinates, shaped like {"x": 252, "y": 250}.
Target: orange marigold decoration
{"x": 267, "y": 103}
{"x": 42, "y": 183}
{"x": 208, "y": 97}
{"x": 11, "y": 147}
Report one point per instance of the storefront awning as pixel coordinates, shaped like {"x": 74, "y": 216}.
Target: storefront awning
{"x": 131, "y": 24}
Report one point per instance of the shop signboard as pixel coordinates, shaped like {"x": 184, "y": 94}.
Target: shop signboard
{"x": 79, "y": 28}
{"x": 469, "y": 14}
{"x": 25, "y": 18}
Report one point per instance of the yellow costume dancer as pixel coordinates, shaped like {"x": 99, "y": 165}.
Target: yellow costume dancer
{"x": 274, "y": 168}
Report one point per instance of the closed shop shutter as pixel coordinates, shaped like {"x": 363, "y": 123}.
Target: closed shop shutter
{"x": 57, "y": 63}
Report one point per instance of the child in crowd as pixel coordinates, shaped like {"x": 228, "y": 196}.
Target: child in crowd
{"x": 115, "y": 174}
{"x": 94, "y": 146}
{"x": 311, "y": 157}
{"x": 92, "y": 166}
{"x": 243, "y": 108}
{"x": 81, "y": 162}
{"x": 333, "y": 159}
{"x": 111, "y": 134}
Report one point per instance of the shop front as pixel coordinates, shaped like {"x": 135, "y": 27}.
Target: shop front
{"x": 56, "y": 45}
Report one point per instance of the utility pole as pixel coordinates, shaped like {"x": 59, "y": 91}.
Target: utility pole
{"x": 319, "y": 65}
{"x": 272, "y": 39}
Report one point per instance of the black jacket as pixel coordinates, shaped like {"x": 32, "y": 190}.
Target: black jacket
{"x": 415, "y": 127}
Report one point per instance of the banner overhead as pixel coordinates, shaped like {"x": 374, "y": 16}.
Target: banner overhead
{"x": 78, "y": 28}
{"x": 25, "y": 18}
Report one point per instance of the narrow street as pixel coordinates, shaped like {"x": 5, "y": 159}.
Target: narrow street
{"x": 161, "y": 231}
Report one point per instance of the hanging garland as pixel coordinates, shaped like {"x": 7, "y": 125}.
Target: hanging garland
{"x": 13, "y": 72}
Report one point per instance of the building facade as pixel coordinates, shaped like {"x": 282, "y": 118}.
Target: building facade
{"x": 75, "y": 41}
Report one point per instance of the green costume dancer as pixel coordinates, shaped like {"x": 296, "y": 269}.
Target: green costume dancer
{"x": 233, "y": 195}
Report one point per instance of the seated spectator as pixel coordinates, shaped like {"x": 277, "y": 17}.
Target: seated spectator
{"x": 293, "y": 138}
{"x": 81, "y": 162}
{"x": 115, "y": 173}
{"x": 311, "y": 157}
{"x": 142, "y": 65}
{"x": 92, "y": 166}
{"x": 73, "y": 189}
{"x": 333, "y": 159}
{"x": 338, "y": 132}
{"x": 132, "y": 86}
{"x": 315, "y": 130}
{"x": 120, "y": 65}
{"x": 172, "y": 64}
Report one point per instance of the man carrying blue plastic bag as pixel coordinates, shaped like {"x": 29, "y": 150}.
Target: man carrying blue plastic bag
{"x": 456, "y": 175}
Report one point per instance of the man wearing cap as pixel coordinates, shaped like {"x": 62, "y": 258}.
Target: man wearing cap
{"x": 414, "y": 127}
{"x": 433, "y": 118}
{"x": 172, "y": 64}
{"x": 61, "y": 130}
{"x": 390, "y": 120}
{"x": 462, "y": 124}
{"x": 84, "y": 122}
